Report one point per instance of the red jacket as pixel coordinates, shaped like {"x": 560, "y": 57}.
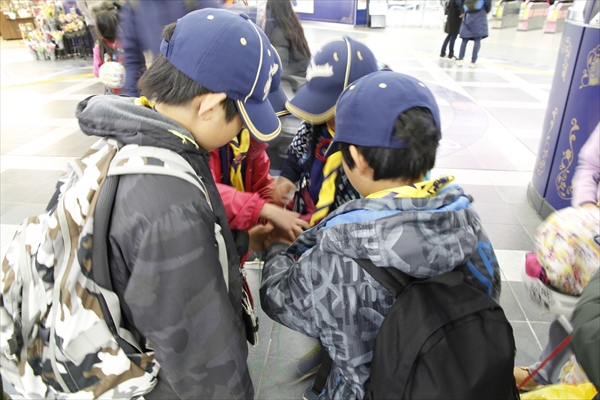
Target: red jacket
{"x": 243, "y": 208}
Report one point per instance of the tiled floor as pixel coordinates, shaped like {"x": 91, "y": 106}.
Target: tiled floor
{"x": 492, "y": 119}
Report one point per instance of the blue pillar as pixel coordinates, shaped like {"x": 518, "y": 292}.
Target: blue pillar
{"x": 573, "y": 109}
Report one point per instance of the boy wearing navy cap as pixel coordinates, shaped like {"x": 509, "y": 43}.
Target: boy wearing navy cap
{"x": 212, "y": 78}
{"x": 241, "y": 171}
{"x": 387, "y": 131}
{"x": 323, "y": 184}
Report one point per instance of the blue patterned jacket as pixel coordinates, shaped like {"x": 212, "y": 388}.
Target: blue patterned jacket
{"x": 315, "y": 287}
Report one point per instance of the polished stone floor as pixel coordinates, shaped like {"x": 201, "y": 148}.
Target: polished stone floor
{"x": 492, "y": 119}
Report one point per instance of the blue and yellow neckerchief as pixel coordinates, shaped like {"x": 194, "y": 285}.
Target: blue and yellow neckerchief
{"x": 422, "y": 189}
{"x": 327, "y": 192}
{"x": 239, "y": 148}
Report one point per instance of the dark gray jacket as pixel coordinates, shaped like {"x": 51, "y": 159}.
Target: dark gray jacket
{"x": 164, "y": 262}
{"x": 586, "y": 330}
{"x": 293, "y": 62}
{"x": 325, "y": 294}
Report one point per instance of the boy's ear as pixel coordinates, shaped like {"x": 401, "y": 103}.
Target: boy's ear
{"x": 360, "y": 164}
{"x": 208, "y": 103}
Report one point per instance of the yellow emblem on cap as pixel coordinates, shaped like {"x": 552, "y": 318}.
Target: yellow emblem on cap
{"x": 382, "y": 85}
{"x": 243, "y": 41}
{"x": 335, "y": 56}
{"x": 359, "y": 55}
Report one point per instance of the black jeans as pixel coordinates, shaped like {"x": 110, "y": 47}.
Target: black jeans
{"x": 450, "y": 39}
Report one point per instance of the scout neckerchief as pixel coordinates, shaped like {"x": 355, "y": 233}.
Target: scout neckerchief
{"x": 327, "y": 192}
{"x": 239, "y": 146}
{"x": 415, "y": 190}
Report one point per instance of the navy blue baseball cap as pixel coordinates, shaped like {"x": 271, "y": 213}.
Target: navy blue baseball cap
{"x": 336, "y": 65}
{"x": 227, "y": 53}
{"x": 277, "y": 96}
{"x": 367, "y": 110}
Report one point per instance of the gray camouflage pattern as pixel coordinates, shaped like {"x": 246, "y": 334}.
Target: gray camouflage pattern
{"x": 315, "y": 287}
{"x": 46, "y": 284}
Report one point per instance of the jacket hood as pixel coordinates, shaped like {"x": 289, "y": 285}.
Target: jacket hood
{"x": 125, "y": 119}
{"x": 422, "y": 237}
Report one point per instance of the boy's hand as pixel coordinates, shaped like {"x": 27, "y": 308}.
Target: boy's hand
{"x": 281, "y": 193}
{"x": 286, "y": 221}
{"x": 276, "y": 235}
{"x": 258, "y": 237}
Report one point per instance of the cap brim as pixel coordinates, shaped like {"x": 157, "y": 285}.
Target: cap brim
{"x": 334, "y": 147}
{"x": 278, "y": 100}
{"x": 312, "y": 106}
{"x": 260, "y": 119}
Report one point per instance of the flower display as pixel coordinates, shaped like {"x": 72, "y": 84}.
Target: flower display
{"x": 73, "y": 24}
{"x": 57, "y": 35}
{"x": 48, "y": 11}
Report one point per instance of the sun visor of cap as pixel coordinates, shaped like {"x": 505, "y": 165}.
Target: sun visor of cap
{"x": 260, "y": 119}
{"x": 311, "y": 106}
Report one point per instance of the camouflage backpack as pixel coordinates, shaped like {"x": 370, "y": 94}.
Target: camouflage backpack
{"x": 61, "y": 334}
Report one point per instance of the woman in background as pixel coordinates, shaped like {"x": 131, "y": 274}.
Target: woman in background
{"x": 454, "y": 11}
{"x": 287, "y": 36}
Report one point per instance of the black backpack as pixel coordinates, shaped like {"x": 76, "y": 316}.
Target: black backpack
{"x": 442, "y": 339}
{"x": 473, "y": 5}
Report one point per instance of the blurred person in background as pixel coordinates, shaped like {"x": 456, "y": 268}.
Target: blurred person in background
{"x": 287, "y": 36}
{"x": 142, "y": 22}
{"x": 454, "y": 12}
{"x": 85, "y": 6}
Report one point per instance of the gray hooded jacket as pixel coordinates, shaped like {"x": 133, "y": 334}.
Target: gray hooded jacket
{"x": 164, "y": 262}
{"x": 327, "y": 295}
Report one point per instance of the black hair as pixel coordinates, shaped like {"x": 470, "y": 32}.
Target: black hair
{"x": 418, "y": 129}
{"x": 106, "y": 25}
{"x": 283, "y": 14}
{"x": 164, "y": 83}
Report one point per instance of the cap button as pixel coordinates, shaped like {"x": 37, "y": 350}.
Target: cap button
{"x": 243, "y": 15}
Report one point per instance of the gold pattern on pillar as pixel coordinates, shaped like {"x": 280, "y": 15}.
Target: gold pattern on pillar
{"x": 591, "y": 75}
{"x": 565, "y": 48}
{"x": 565, "y": 192}
{"x": 544, "y": 154}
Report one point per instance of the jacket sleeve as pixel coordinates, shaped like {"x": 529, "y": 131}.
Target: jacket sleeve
{"x": 458, "y": 6}
{"x": 262, "y": 182}
{"x": 488, "y": 6}
{"x": 586, "y": 338}
{"x": 292, "y": 168}
{"x": 587, "y": 174}
{"x": 179, "y": 302}
{"x": 133, "y": 54}
{"x": 286, "y": 292}
{"x": 242, "y": 208}
{"x": 97, "y": 60}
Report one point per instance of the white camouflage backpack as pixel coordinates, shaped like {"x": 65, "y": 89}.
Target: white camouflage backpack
{"x": 60, "y": 321}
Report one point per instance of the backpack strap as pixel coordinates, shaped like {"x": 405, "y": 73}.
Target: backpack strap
{"x": 102, "y": 213}
{"x": 322, "y": 375}
{"x": 134, "y": 159}
{"x": 392, "y": 279}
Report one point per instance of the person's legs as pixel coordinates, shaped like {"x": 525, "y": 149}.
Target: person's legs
{"x": 476, "y": 47}
{"x": 461, "y": 54}
{"x": 548, "y": 375}
{"x": 451, "y": 46}
{"x": 444, "y": 45}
